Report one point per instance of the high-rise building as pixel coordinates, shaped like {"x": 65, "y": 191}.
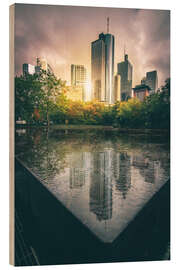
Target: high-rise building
{"x": 78, "y": 75}
{"x": 28, "y": 69}
{"x": 152, "y": 80}
{"x": 125, "y": 69}
{"x": 42, "y": 64}
{"x": 117, "y": 88}
{"x": 102, "y": 68}
{"x": 79, "y": 78}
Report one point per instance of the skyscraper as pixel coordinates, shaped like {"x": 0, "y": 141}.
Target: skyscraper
{"x": 152, "y": 80}
{"x": 102, "y": 68}
{"x": 117, "y": 88}
{"x": 125, "y": 69}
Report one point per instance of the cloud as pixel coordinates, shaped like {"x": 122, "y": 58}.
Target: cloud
{"x": 63, "y": 35}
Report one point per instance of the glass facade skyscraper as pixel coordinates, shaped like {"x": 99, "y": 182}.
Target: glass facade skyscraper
{"x": 117, "y": 88}
{"x": 102, "y": 68}
{"x": 152, "y": 80}
{"x": 125, "y": 69}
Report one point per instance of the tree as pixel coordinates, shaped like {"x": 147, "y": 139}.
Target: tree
{"x": 52, "y": 89}
{"x": 167, "y": 87}
{"x": 36, "y": 96}
{"x": 157, "y": 108}
{"x": 130, "y": 113}
{"x": 28, "y": 96}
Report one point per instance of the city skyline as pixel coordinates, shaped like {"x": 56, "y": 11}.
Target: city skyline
{"x": 63, "y": 35}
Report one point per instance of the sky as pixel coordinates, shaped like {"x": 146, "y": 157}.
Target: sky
{"x": 63, "y": 35}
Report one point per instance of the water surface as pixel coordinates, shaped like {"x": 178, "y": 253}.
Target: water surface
{"x": 103, "y": 178}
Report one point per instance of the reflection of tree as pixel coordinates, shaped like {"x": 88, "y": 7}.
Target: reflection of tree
{"x": 122, "y": 172}
{"x": 45, "y": 156}
{"x": 101, "y": 186}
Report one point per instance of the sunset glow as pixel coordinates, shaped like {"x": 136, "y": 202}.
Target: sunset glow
{"x": 63, "y": 35}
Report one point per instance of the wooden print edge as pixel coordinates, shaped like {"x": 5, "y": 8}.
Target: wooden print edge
{"x": 11, "y": 136}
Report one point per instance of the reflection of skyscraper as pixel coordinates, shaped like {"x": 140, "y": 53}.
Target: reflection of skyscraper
{"x": 122, "y": 172}
{"x": 80, "y": 170}
{"x": 146, "y": 168}
{"x": 149, "y": 173}
{"x": 87, "y": 160}
{"x": 77, "y": 178}
{"x": 125, "y": 69}
{"x": 101, "y": 186}
{"x": 102, "y": 68}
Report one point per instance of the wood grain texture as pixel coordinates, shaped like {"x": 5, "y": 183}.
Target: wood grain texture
{"x": 11, "y": 135}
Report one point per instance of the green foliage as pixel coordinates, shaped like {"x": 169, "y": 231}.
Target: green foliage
{"x": 157, "y": 110}
{"x": 28, "y": 95}
{"x": 43, "y": 98}
{"x": 130, "y": 113}
{"x": 153, "y": 112}
{"x": 37, "y": 92}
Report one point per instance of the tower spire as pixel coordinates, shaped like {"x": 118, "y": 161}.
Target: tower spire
{"x": 107, "y": 24}
{"x": 124, "y": 50}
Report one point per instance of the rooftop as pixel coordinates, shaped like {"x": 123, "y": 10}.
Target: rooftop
{"x": 141, "y": 86}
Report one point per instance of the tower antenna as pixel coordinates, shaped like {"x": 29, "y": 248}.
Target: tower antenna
{"x": 124, "y": 51}
{"x": 107, "y": 24}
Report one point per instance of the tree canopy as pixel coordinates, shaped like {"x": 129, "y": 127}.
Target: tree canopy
{"x": 42, "y": 98}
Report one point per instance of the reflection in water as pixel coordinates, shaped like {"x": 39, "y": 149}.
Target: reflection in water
{"x": 77, "y": 178}
{"x": 122, "y": 172}
{"x": 87, "y": 174}
{"x": 80, "y": 169}
{"x": 20, "y": 131}
{"x": 101, "y": 186}
{"x": 149, "y": 169}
